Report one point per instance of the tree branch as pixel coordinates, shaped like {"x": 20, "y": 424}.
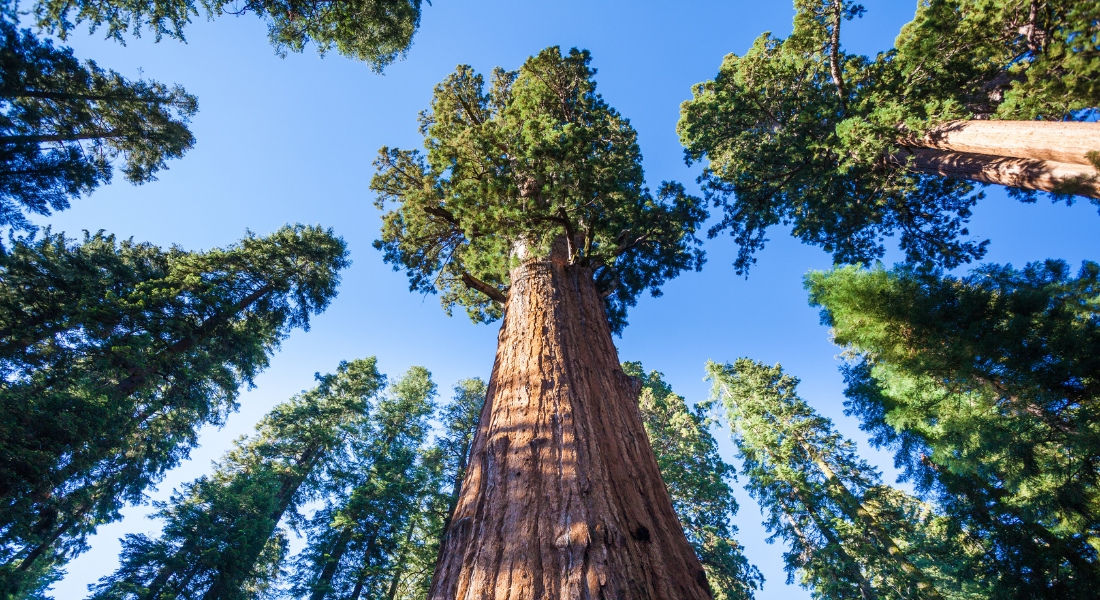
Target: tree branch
{"x": 485, "y": 288}
{"x": 834, "y": 54}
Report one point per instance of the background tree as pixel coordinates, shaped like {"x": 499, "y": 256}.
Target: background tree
{"x": 849, "y": 536}
{"x": 849, "y": 149}
{"x": 373, "y": 31}
{"x": 112, "y": 354}
{"x": 445, "y": 463}
{"x": 63, "y": 123}
{"x": 698, "y": 481}
{"x": 374, "y": 495}
{"x": 221, "y": 539}
{"x": 531, "y": 197}
{"x": 989, "y": 396}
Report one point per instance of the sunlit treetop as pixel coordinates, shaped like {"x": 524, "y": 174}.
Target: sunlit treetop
{"x": 799, "y": 132}
{"x": 535, "y": 159}
{"x": 373, "y": 31}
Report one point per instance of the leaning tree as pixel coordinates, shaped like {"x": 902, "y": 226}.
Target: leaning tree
{"x": 530, "y": 204}
{"x": 850, "y": 149}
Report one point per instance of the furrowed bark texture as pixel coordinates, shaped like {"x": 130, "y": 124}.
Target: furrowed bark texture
{"x": 1049, "y": 156}
{"x": 562, "y": 498}
{"x": 1057, "y": 141}
{"x": 1029, "y": 174}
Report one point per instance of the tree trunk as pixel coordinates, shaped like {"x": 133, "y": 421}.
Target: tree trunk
{"x": 1025, "y": 173}
{"x": 1049, "y": 156}
{"x": 853, "y": 508}
{"x": 1055, "y": 141}
{"x": 562, "y": 496}
{"x": 323, "y": 586}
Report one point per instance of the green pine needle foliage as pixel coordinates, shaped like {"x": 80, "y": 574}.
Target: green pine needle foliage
{"x": 847, "y": 534}
{"x": 64, "y": 124}
{"x": 798, "y": 132}
{"x": 113, "y": 354}
{"x": 374, "y": 31}
{"x": 222, "y": 537}
{"x": 537, "y": 158}
{"x": 987, "y": 387}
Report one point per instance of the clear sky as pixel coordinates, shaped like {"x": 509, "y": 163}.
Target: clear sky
{"x": 292, "y": 140}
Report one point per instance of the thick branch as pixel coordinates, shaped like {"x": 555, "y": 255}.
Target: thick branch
{"x": 1042, "y": 175}
{"x": 1058, "y": 141}
{"x": 485, "y": 288}
{"x": 42, "y": 139}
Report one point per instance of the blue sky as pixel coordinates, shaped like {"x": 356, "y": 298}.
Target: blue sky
{"x": 292, "y": 140}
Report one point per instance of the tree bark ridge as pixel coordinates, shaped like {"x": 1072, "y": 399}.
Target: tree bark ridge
{"x": 562, "y": 497}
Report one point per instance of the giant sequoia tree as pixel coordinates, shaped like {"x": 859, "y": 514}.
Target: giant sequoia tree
{"x": 530, "y": 204}
{"x": 989, "y": 395}
{"x": 63, "y": 123}
{"x": 850, "y": 149}
{"x": 112, "y": 354}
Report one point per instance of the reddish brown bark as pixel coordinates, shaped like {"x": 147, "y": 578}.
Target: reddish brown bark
{"x": 1029, "y": 174}
{"x": 562, "y": 497}
{"x": 1049, "y": 156}
{"x": 1057, "y": 141}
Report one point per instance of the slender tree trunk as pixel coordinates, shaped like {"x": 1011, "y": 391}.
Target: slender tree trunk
{"x": 858, "y": 513}
{"x": 323, "y": 585}
{"x": 562, "y": 496}
{"x": 1049, "y": 156}
{"x": 851, "y": 567}
{"x": 399, "y": 564}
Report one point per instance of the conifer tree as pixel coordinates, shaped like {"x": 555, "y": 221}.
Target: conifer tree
{"x": 63, "y": 123}
{"x": 373, "y": 31}
{"x": 112, "y": 354}
{"x": 221, "y": 539}
{"x": 530, "y": 203}
{"x": 990, "y": 399}
{"x": 445, "y": 464}
{"x": 698, "y": 481}
{"x": 848, "y": 535}
{"x": 850, "y": 149}
{"x": 354, "y": 540}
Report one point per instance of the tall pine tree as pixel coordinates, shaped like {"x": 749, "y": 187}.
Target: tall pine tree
{"x": 989, "y": 396}
{"x": 355, "y": 539}
{"x": 112, "y": 354}
{"x": 63, "y": 123}
{"x": 221, "y": 539}
{"x": 848, "y": 535}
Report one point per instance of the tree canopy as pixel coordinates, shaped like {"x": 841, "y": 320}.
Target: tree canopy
{"x": 222, "y": 537}
{"x": 113, "y": 353}
{"x": 63, "y": 124}
{"x": 373, "y": 31}
{"x": 989, "y": 396}
{"x": 539, "y": 158}
{"x": 799, "y": 132}
{"x": 848, "y": 535}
